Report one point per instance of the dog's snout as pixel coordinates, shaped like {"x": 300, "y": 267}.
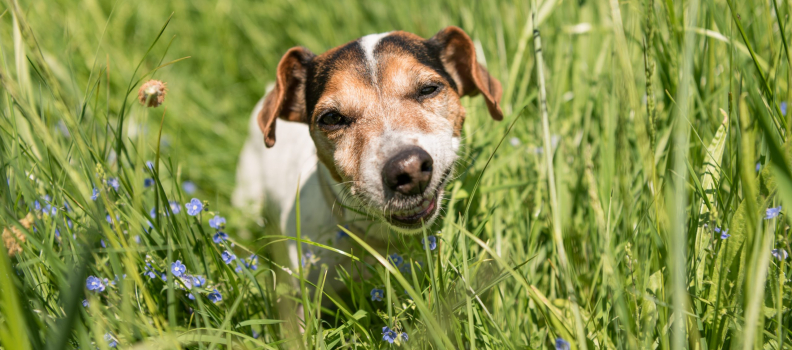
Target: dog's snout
{"x": 408, "y": 172}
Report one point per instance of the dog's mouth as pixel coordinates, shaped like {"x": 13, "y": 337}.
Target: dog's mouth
{"x": 417, "y": 214}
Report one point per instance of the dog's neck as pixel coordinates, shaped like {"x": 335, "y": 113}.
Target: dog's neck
{"x": 340, "y": 203}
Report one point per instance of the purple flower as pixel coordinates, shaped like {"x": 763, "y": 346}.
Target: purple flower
{"x": 95, "y": 284}
{"x": 404, "y": 336}
{"x": 217, "y": 222}
{"x": 432, "y": 242}
{"x": 178, "y": 269}
{"x": 148, "y": 182}
{"x": 219, "y": 237}
{"x": 194, "y": 207}
{"x": 779, "y": 254}
{"x": 228, "y": 257}
{"x": 85, "y": 303}
{"x": 771, "y": 213}
{"x": 215, "y": 296}
{"x": 561, "y": 344}
{"x": 150, "y": 273}
{"x": 377, "y": 294}
{"x": 189, "y": 187}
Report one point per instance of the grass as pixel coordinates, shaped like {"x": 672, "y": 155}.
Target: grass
{"x": 664, "y": 122}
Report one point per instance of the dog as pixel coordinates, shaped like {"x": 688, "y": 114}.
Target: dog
{"x": 368, "y": 131}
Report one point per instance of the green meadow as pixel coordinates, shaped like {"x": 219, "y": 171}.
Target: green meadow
{"x": 633, "y": 197}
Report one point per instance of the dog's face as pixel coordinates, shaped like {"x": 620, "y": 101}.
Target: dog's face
{"x": 385, "y": 115}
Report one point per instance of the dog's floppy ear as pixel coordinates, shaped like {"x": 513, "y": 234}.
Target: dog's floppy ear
{"x": 458, "y": 56}
{"x": 287, "y": 99}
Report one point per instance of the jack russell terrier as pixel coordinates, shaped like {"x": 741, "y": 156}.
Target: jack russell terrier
{"x": 369, "y": 131}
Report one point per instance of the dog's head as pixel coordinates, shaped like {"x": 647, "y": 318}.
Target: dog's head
{"x": 385, "y": 115}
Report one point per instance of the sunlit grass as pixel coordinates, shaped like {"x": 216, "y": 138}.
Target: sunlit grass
{"x": 664, "y": 225}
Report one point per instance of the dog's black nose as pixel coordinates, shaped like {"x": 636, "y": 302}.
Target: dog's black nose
{"x": 408, "y": 172}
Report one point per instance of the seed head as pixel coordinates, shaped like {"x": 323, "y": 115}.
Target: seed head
{"x": 152, "y": 93}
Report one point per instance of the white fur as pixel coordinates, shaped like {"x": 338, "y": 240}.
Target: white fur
{"x": 271, "y": 176}
{"x": 369, "y": 44}
{"x": 440, "y": 144}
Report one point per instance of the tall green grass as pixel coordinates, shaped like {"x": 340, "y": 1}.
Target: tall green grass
{"x": 596, "y": 213}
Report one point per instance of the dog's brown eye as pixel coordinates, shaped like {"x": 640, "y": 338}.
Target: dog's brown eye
{"x": 331, "y": 120}
{"x": 428, "y": 90}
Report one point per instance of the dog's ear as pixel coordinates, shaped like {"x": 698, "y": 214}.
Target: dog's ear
{"x": 458, "y": 56}
{"x": 287, "y": 99}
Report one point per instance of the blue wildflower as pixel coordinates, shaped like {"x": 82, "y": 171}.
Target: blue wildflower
{"x": 178, "y": 269}
{"x": 395, "y": 259}
{"x": 389, "y": 335}
{"x": 194, "y": 207}
{"x": 771, "y": 213}
{"x": 111, "y": 342}
{"x": 137, "y": 239}
{"x": 94, "y": 194}
{"x": 432, "y": 242}
{"x": 198, "y": 280}
{"x": 217, "y": 222}
{"x": 308, "y": 259}
{"x": 228, "y": 257}
{"x": 780, "y": 254}
{"x": 189, "y": 187}
{"x": 377, "y": 294}
{"x": 758, "y": 166}
{"x": 723, "y": 233}
{"x": 175, "y": 207}
{"x": 50, "y": 210}
{"x": 102, "y": 242}
{"x": 191, "y": 296}
{"x": 255, "y": 334}
{"x": 150, "y": 165}
{"x": 95, "y": 284}
{"x": 153, "y": 213}
{"x": 150, "y": 273}
{"x": 164, "y": 277}
{"x": 148, "y": 182}
{"x": 406, "y": 268}
{"x": 219, "y": 237}
{"x": 783, "y": 108}
{"x": 85, "y": 303}
{"x": 114, "y": 183}
{"x": 561, "y": 344}
{"x": 215, "y": 296}
{"x": 37, "y": 205}
{"x": 404, "y": 336}
{"x": 252, "y": 262}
